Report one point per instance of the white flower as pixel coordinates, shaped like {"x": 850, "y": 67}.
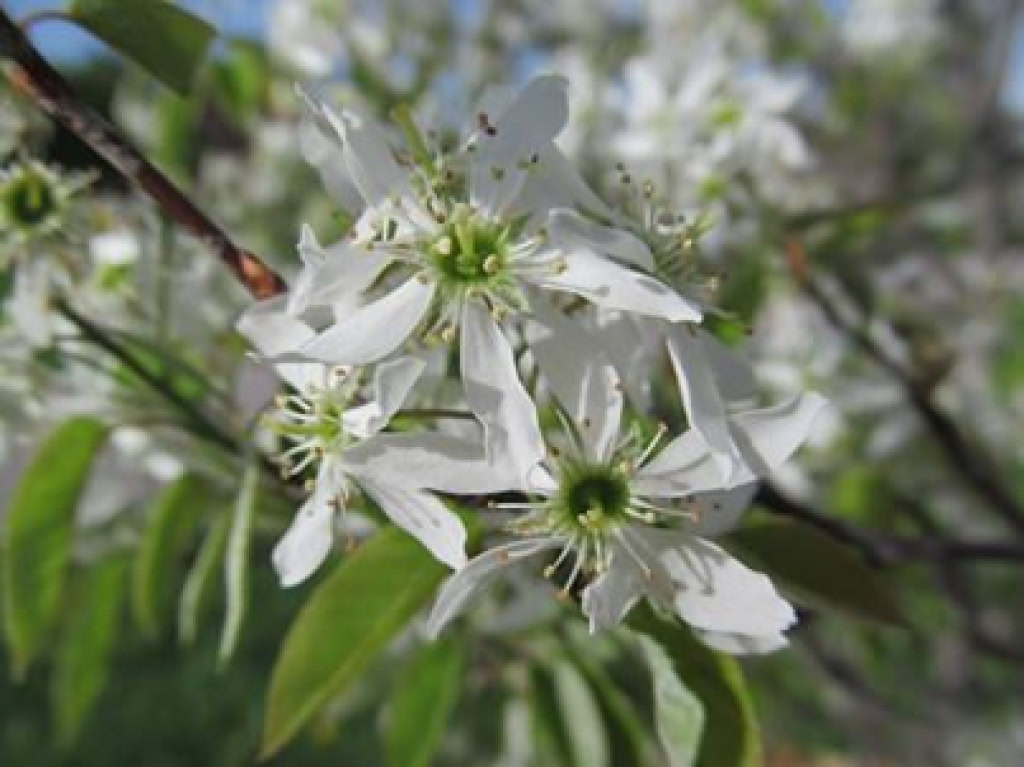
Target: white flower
{"x": 464, "y": 243}
{"x": 630, "y": 524}
{"x": 323, "y": 425}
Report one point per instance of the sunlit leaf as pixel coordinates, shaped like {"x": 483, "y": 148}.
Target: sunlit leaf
{"x": 347, "y": 621}
{"x": 818, "y": 568}
{"x": 236, "y": 563}
{"x": 678, "y": 715}
{"x": 584, "y": 726}
{"x": 167, "y": 41}
{"x": 171, "y": 521}
{"x": 424, "y": 698}
{"x": 200, "y": 583}
{"x": 87, "y": 644}
{"x": 39, "y": 530}
{"x": 731, "y": 736}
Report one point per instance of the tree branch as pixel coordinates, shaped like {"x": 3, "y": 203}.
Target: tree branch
{"x": 33, "y": 76}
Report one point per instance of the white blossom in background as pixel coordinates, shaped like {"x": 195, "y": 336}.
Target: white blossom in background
{"x": 872, "y": 28}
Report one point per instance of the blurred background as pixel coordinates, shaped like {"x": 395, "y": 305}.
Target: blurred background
{"x": 857, "y": 168}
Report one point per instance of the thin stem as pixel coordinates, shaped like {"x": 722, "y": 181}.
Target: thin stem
{"x": 98, "y": 336}
{"x": 34, "y": 77}
{"x": 428, "y": 413}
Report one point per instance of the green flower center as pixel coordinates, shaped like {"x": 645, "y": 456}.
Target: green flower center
{"x": 470, "y": 252}
{"x": 591, "y": 498}
{"x": 30, "y": 200}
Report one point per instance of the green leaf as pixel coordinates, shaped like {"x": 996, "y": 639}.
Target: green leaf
{"x": 423, "y": 702}
{"x": 198, "y": 589}
{"x": 731, "y": 736}
{"x": 87, "y": 645}
{"x": 817, "y": 568}
{"x": 581, "y": 716}
{"x": 40, "y": 527}
{"x": 172, "y": 519}
{"x": 349, "y": 619}
{"x": 167, "y": 41}
{"x": 678, "y": 715}
{"x": 236, "y": 563}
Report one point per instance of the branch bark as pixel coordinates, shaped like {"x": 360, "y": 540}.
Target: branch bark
{"x": 33, "y": 76}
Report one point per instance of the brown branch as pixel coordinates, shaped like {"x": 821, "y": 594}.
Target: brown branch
{"x": 33, "y": 76}
{"x": 969, "y": 461}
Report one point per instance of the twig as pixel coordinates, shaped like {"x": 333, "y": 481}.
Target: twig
{"x": 33, "y": 76}
{"x": 95, "y": 334}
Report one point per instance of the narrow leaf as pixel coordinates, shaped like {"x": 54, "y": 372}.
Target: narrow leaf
{"x": 87, "y": 645}
{"x": 172, "y": 519}
{"x": 423, "y": 702}
{"x": 731, "y": 736}
{"x": 167, "y": 41}
{"x": 198, "y": 589}
{"x": 817, "y": 568}
{"x": 236, "y": 563}
{"x": 348, "y": 620}
{"x": 40, "y": 528}
{"x": 678, "y": 714}
{"x": 585, "y": 732}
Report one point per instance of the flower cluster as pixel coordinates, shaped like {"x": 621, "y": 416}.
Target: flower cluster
{"x": 490, "y": 255}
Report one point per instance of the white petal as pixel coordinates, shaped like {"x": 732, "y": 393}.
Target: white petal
{"x": 572, "y": 230}
{"x": 612, "y": 286}
{"x": 634, "y": 345}
{"x": 457, "y": 591}
{"x": 424, "y": 517}
{"x": 494, "y": 392}
{"x": 527, "y": 124}
{"x": 770, "y": 436}
{"x": 333, "y": 274}
{"x": 719, "y": 511}
{"x": 322, "y": 147}
{"x": 581, "y": 377}
{"x": 733, "y": 374}
{"x": 738, "y": 644}
{"x": 714, "y": 591}
{"x": 392, "y": 382}
{"x": 429, "y": 460}
{"x": 704, "y": 407}
{"x": 684, "y": 466}
{"x": 608, "y": 598}
{"x": 273, "y": 332}
{"x": 375, "y": 330}
{"x": 554, "y": 182}
{"x": 370, "y": 161}
{"x": 307, "y": 542}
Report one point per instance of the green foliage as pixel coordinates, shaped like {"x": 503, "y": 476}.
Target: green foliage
{"x": 40, "y": 527}
{"x": 424, "y": 698}
{"x": 236, "y": 563}
{"x": 347, "y": 621}
{"x": 818, "y": 568}
{"x": 198, "y": 591}
{"x": 731, "y": 736}
{"x": 167, "y": 41}
{"x": 87, "y": 644}
{"x": 579, "y": 715}
{"x": 171, "y": 522}
{"x": 678, "y": 715}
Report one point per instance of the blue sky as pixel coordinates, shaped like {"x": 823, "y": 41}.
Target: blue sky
{"x": 61, "y": 41}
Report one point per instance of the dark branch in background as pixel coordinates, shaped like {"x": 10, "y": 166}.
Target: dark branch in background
{"x": 969, "y": 461}
{"x": 96, "y": 335}
{"x": 33, "y": 76}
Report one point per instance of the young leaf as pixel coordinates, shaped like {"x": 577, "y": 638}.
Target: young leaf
{"x": 585, "y": 731}
{"x": 40, "y": 526}
{"x": 349, "y": 619}
{"x": 236, "y": 563}
{"x": 198, "y": 588}
{"x": 678, "y": 715}
{"x": 731, "y": 736}
{"x": 87, "y": 645}
{"x": 818, "y": 568}
{"x": 167, "y": 41}
{"x": 423, "y": 702}
{"x": 173, "y": 516}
